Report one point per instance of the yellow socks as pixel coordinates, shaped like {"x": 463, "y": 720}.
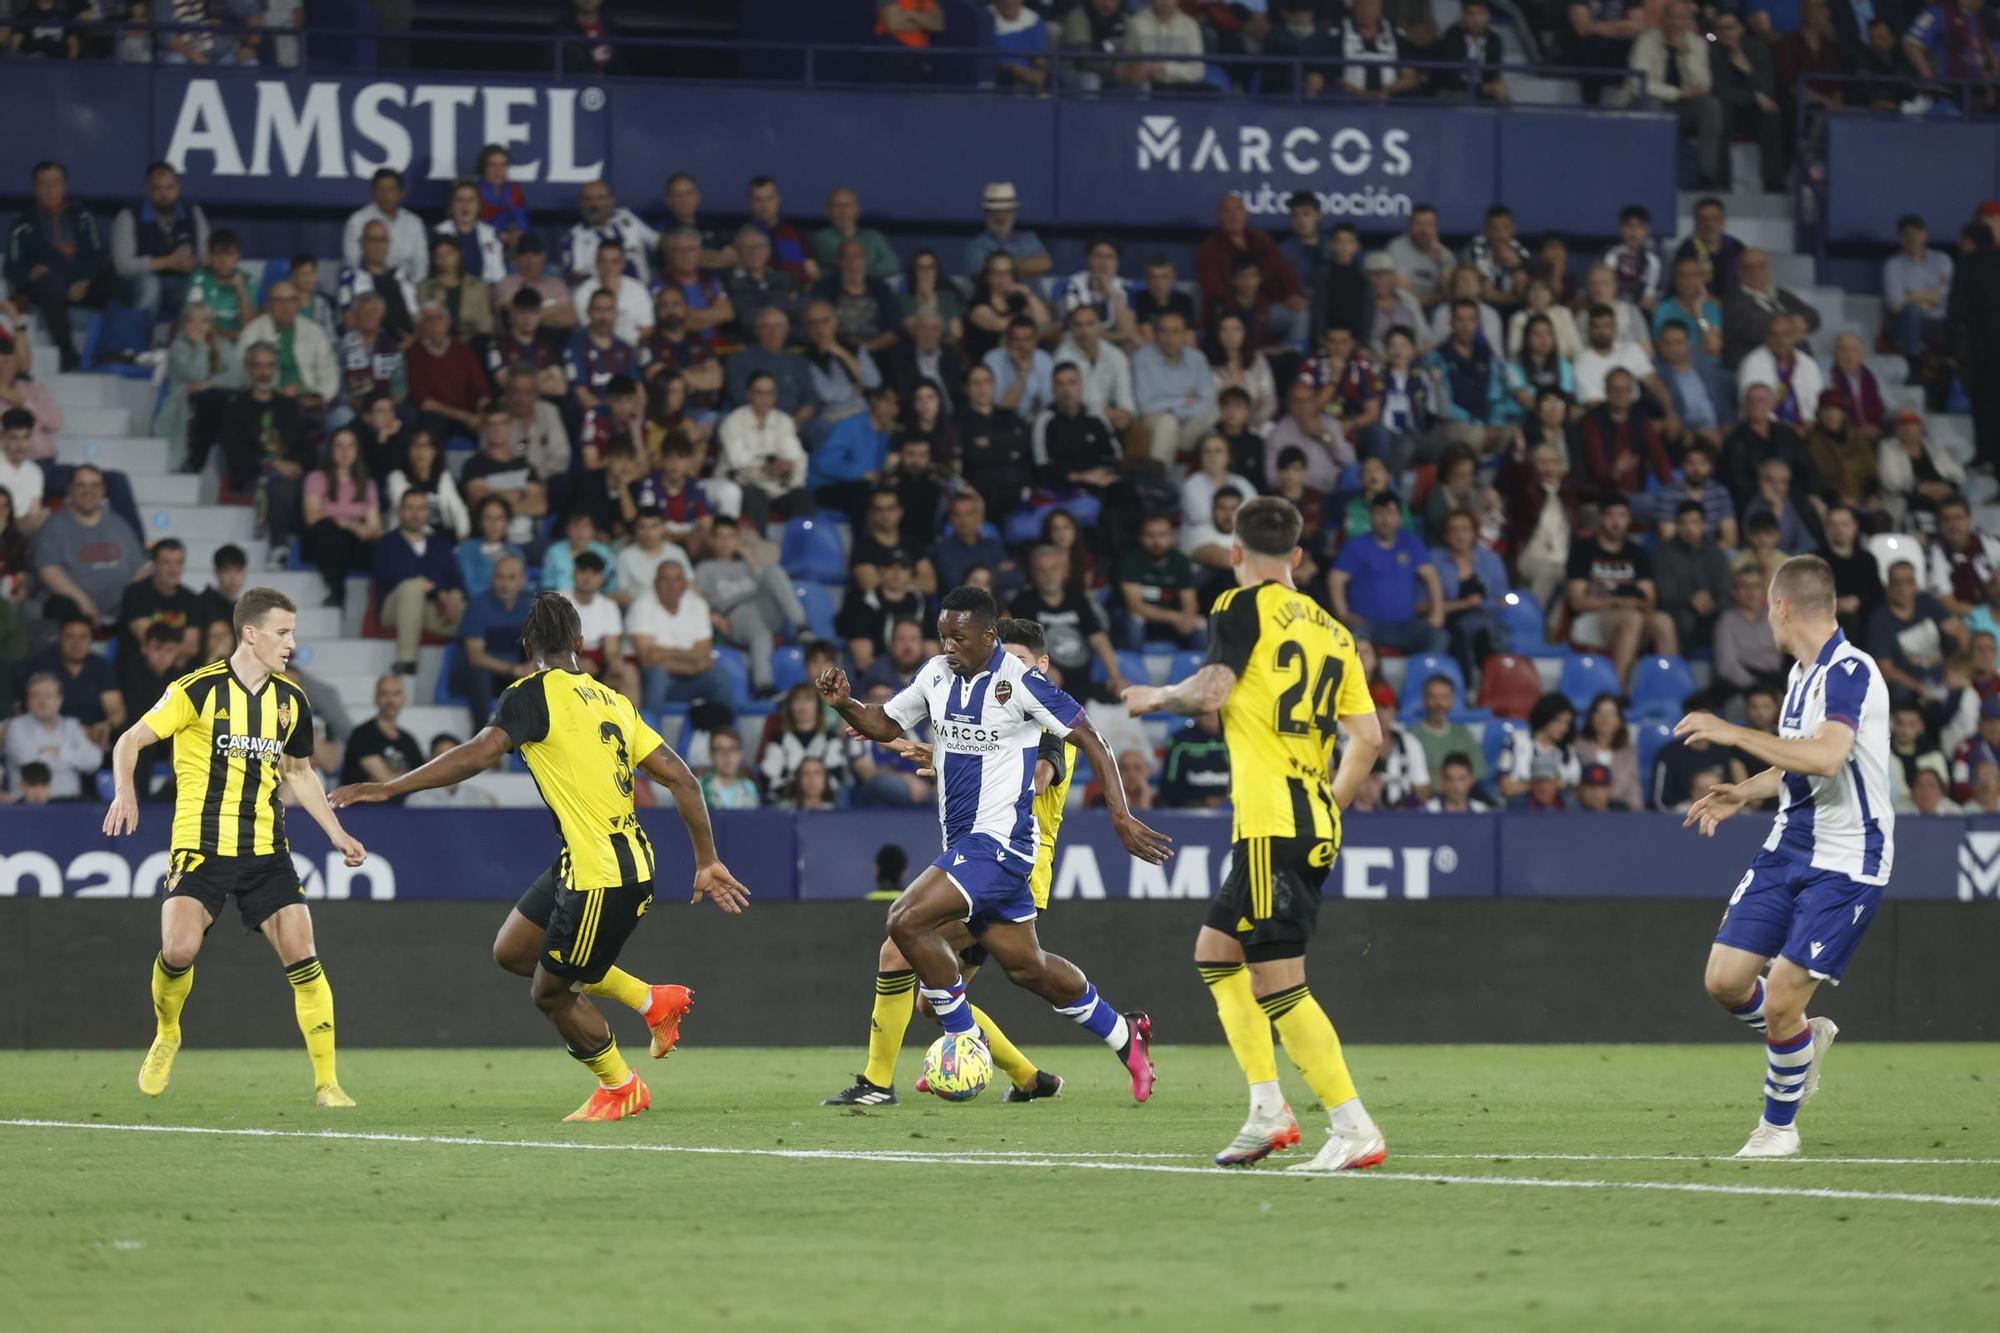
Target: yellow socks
{"x": 895, "y": 1002}
{"x": 170, "y": 993}
{"x": 607, "y": 1064}
{"x": 623, "y": 987}
{"x": 1311, "y": 1042}
{"x": 1248, "y": 1028}
{"x": 1007, "y": 1057}
{"x": 312, "y": 1000}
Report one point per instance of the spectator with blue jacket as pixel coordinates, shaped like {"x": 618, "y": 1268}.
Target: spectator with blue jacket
{"x": 1476, "y": 402}
{"x": 419, "y": 588}
{"x": 56, "y": 257}
{"x": 849, "y": 461}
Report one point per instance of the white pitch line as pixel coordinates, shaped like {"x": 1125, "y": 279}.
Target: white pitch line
{"x": 1503, "y": 1157}
{"x": 1038, "y": 1161}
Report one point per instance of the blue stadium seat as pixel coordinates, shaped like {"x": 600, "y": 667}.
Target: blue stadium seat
{"x": 446, "y": 693}
{"x": 1651, "y": 738}
{"x": 1660, "y": 687}
{"x": 1584, "y": 677}
{"x": 1185, "y": 665}
{"x": 811, "y": 549}
{"x": 1499, "y": 734}
{"x": 734, "y": 666}
{"x": 788, "y": 667}
{"x": 1132, "y": 666}
{"x": 116, "y": 334}
{"x": 275, "y": 271}
{"x": 820, "y": 603}
{"x": 1526, "y": 624}
{"x": 1421, "y": 668}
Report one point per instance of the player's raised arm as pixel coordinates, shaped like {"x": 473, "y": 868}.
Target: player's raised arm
{"x": 466, "y": 760}
{"x": 711, "y": 877}
{"x": 871, "y": 720}
{"x": 1819, "y": 755}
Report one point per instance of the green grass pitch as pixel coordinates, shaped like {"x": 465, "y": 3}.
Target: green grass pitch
{"x": 1527, "y": 1188}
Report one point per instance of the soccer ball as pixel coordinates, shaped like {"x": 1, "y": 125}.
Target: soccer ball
{"x": 957, "y": 1067}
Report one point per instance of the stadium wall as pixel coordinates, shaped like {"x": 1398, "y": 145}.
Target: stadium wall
{"x": 73, "y": 974}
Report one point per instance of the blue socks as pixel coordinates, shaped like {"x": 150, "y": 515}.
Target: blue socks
{"x": 950, "y": 1007}
{"x": 1785, "y": 1080}
{"x": 1091, "y": 1012}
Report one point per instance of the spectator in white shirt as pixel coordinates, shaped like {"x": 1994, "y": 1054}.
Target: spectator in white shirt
{"x": 1161, "y": 28}
{"x": 673, "y": 638}
{"x": 43, "y": 735}
{"x": 312, "y": 351}
{"x": 1604, "y": 354}
{"x": 409, "y": 242}
{"x": 459, "y": 795}
{"x": 643, "y": 555}
{"x": 1211, "y": 475}
{"x": 1106, "y": 370}
{"x": 20, "y": 475}
{"x": 603, "y": 221}
{"x": 603, "y": 624}
{"x": 761, "y": 451}
{"x": 1784, "y": 367}
{"x": 1915, "y": 281}
{"x": 635, "y": 306}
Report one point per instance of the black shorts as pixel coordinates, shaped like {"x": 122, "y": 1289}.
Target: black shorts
{"x": 589, "y": 926}
{"x": 538, "y": 904}
{"x": 261, "y": 885}
{"x": 1270, "y": 902}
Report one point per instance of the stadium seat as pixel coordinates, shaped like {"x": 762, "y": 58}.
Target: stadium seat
{"x": 788, "y": 667}
{"x": 1185, "y": 665}
{"x": 811, "y": 549}
{"x": 115, "y": 335}
{"x": 446, "y": 691}
{"x": 1890, "y": 548}
{"x": 1493, "y": 742}
{"x": 1132, "y": 666}
{"x": 1584, "y": 677}
{"x": 1527, "y": 625}
{"x": 1660, "y": 687}
{"x": 820, "y": 604}
{"x": 734, "y": 666}
{"x": 1651, "y": 738}
{"x": 1418, "y": 672}
{"x": 1509, "y": 685}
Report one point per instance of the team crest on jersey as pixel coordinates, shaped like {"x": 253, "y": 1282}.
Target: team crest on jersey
{"x": 1003, "y": 691}
{"x": 284, "y": 717}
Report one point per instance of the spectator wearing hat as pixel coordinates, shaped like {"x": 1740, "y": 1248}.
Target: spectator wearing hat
{"x": 1160, "y": 28}
{"x": 1544, "y": 790}
{"x": 1384, "y": 587}
{"x": 1916, "y": 282}
{"x": 1002, "y": 207}
{"x": 1594, "y": 791}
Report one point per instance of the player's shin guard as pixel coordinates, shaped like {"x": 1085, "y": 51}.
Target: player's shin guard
{"x": 606, "y": 1063}
{"x": 1751, "y": 1015}
{"x": 1785, "y": 1076}
{"x": 170, "y": 993}
{"x": 622, "y": 986}
{"x": 1311, "y": 1042}
{"x": 312, "y": 1001}
{"x": 949, "y": 1004}
{"x": 1007, "y": 1057}
{"x": 1093, "y": 1014}
{"x": 1246, "y": 1026}
{"x": 895, "y": 1002}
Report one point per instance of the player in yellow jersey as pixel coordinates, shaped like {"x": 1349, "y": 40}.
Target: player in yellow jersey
{"x": 243, "y": 735}
{"x": 582, "y": 742}
{"x": 1283, "y": 672}
{"x": 896, "y": 981}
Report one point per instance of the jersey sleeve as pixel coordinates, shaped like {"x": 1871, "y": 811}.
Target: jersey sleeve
{"x": 1233, "y": 627}
{"x": 1352, "y": 698}
{"x": 909, "y": 707}
{"x": 1846, "y": 691}
{"x": 1044, "y": 701}
{"x": 299, "y": 745}
{"x": 524, "y": 712}
{"x": 1055, "y": 753}
{"x": 174, "y": 711}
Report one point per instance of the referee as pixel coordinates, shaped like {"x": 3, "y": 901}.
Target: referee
{"x": 243, "y": 735}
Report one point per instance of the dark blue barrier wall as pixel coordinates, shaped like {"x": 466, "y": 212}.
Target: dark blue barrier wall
{"x": 1880, "y": 169}
{"x": 244, "y": 138}
{"x": 60, "y": 852}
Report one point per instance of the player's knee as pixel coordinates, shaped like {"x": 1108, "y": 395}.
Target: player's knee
{"x": 179, "y": 954}
{"x": 1728, "y": 987}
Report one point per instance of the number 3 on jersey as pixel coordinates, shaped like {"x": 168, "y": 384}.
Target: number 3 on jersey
{"x": 1291, "y": 658}
{"x": 610, "y": 734}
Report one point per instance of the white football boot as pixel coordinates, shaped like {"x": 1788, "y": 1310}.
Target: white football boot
{"x": 1769, "y": 1140}
{"x": 1824, "y": 1030}
{"x": 1348, "y": 1152}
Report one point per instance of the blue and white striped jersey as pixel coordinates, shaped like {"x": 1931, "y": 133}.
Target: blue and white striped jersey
{"x": 984, "y": 733}
{"x": 1845, "y": 822}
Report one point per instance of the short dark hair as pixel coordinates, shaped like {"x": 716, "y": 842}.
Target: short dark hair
{"x": 1686, "y": 507}
{"x": 975, "y": 602}
{"x": 552, "y": 626}
{"x": 1909, "y": 220}
{"x": 611, "y": 243}
{"x": 620, "y": 386}
{"x": 1424, "y": 208}
{"x": 526, "y": 298}
{"x": 1602, "y": 312}
{"x": 161, "y": 632}
{"x": 1301, "y": 199}
{"x": 1766, "y": 521}
{"x": 1707, "y": 201}
{"x": 1459, "y": 758}
{"x": 256, "y": 603}
{"x": 230, "y": 556}
{"x": 386, "y": 174}
{"x": 302, "y": 259}
{"x": 1635, "y": 213}
{"x": 1290, "y": 456}
{"x": 1269, "y": 526}
{"x": 1386, "y": 499}
{"x": 591, "y": 561}
{"x": 222, "y": 238}
{"x": 1498, "y": 211}
{"x": 1232, "y": 394}
{"x": 35, "y": 773}
{"x": 20, "y": 418}
{"x": 1027, "y": 634}
{"x": 167, "y": 544}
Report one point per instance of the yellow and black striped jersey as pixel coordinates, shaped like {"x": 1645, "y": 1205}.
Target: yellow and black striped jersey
{"x": 1297, "y": 674}
{"x": 1048, "y": 808}
{"x": 230, "y": 745}
{"x": 581, "y": 742}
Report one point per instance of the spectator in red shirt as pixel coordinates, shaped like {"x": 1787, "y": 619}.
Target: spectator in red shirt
{"x": 675, "y": 347}
{"x": 447, "y": 383}
{"x": 1620, "y": 443}
{"x": 1215, "y": 262}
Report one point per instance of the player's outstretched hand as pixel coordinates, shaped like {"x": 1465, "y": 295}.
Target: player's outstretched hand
{"x": 350, "y": 849}
{"x": 1719, "y": 803}
{"x": 1149, "y": 845}
{"x": 833, "y": 687}
{"x": 123, "y": 816}
{"x": 917, "y": 753}
{"x": 356, "y": 793}
{"x": 1704, "y": 727}
{"x": 1142, "y": 698}
{"x": 714, "y": 881}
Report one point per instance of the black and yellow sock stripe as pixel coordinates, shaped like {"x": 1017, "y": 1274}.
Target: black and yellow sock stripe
{"x": 304, "y": 972}
{"x": 1279, "y": 1003}
{"x": 1213, "y": 974}
{"x": 586, "y": 930}
{"x": 585, "y": 1057}
{"x": 895, "y": 983}
{"x": 169, "y": 972}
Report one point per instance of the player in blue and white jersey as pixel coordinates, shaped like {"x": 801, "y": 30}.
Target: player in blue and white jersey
{"x": 987, "y": 712}
{"x": 1813, "y": 891}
